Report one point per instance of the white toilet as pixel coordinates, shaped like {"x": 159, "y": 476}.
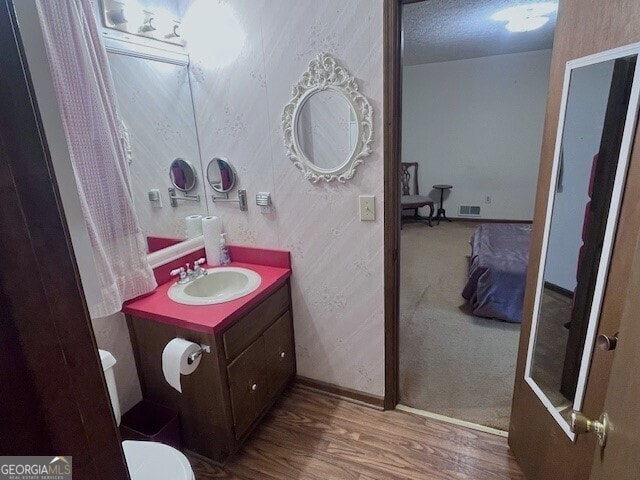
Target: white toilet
{"x": 146, "y": 460}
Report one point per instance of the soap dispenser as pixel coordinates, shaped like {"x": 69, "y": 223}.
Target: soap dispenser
{"x": 225, "y": 258}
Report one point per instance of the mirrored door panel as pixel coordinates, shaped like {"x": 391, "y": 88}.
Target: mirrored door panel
{"x": 592, "y": 150}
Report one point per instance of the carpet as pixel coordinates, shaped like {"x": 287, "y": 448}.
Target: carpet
{"x": 451, "y": 362}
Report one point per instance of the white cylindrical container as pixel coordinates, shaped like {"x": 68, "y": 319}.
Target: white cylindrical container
{"x": 108, "y": 361}
{"x": 193, "y": 226}
{"x": 211, "y": 230}
{"x": 175, "y": 361}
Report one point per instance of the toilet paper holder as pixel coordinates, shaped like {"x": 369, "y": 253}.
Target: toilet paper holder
{"x": 197, "y": 354}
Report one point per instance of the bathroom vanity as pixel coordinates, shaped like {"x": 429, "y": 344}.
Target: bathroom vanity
{"x": 251, "y": 359}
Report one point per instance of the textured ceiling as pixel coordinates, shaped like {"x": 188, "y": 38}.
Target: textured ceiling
{"x": 443, "y": 30}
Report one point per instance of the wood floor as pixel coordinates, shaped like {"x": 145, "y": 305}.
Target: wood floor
{"x": 309, "y": 435}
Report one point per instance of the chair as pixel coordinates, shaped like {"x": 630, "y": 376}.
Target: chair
{"x": 413, "y": 201}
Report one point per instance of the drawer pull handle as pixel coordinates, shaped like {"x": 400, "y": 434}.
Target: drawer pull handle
{"x": 254, "y": 387}
{"x": 282, "y": 354}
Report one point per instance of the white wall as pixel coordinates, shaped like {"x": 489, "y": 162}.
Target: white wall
{"x": 586, "y": 108}
{"x": 477, "y": 124}
{"x": 338, "y": 294}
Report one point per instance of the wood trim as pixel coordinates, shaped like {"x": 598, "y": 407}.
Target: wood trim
{"x": 349, "y": 394}
{"x": 392, "y": 214}
{"x": 488, "y": 220}
{"x": 558, "y": 289}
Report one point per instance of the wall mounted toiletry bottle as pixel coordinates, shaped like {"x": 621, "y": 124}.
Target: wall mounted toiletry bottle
{"x": 225, "y": 258}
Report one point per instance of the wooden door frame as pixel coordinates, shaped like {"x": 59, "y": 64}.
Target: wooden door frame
{"x": 392, "y": 107}
{"x": 54, "y": 391}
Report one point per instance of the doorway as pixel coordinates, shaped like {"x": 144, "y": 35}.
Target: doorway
{"x": 542, "y": 448}
{"x": 472, "y": 107}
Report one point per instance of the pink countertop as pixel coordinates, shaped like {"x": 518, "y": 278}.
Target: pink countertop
{"x": 214, "y": 318}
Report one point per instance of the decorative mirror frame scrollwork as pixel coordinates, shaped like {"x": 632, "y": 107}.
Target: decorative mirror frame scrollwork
{"x": 324, "y": 73}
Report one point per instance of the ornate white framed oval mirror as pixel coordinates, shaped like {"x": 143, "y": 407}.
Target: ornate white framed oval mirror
{"x": 328, "y": 124}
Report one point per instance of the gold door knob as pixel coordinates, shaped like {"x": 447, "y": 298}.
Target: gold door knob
{"x": 282, "y": 354}
{"x": 254, "y": 387}
{"x": 607, "y": 342}
{"x": 581, "y": 424}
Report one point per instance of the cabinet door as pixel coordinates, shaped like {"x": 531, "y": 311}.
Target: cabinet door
{"x": 278, "y": 344}
{"x": 248, "y": 386}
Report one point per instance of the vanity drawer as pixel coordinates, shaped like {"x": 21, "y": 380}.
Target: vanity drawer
{"x": 278, "y": 347}
{"x": 245, "y": 331}
{"x": 248, "y": 386}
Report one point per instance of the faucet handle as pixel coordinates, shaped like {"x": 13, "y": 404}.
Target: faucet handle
{"x": 197, "y": 268}
{"x": 178, "y": 271}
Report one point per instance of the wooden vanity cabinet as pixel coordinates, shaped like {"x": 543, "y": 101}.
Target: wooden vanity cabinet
{"x": 250, "y": 364}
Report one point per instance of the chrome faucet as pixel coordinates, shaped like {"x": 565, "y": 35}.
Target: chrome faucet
{"x": 187, "y": 275}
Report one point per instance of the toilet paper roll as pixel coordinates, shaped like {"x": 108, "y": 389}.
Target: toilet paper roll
{"x": 175, "y": 361}
{"x": 193, "y": 225}
{"x": 211, "y": 230}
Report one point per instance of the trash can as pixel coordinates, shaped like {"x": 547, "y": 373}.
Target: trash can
{"x": 150, "y": 421}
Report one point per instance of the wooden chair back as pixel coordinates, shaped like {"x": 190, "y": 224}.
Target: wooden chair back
{"x": 405, "y": 178}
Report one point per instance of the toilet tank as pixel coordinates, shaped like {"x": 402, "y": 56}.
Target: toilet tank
{"x": 108, "y": 361}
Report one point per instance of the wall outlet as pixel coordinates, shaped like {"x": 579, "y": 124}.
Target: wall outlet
{"x": 487, "y": 200}
{"x": 367, "y": 208}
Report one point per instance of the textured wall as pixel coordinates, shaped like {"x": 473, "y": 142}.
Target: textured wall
{"x": 337, "y": 260}
{"x": 477, "y": 125}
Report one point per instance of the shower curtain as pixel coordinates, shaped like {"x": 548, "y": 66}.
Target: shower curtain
{"x": 87, "y": 101}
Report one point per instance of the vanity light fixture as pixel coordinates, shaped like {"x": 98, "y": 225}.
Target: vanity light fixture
{"x": 116, "y": 16}
{"x": 147, "y": 24}
{"x": 525, "y": 18}
{"x": 129, "y": 16}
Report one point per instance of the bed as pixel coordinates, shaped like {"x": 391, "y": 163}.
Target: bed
{"x": 497, "y": 270}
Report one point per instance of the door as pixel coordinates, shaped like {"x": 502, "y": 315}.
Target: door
{"x": 248, "y": 386}
{"x": 579, "y": 269}
{"x": 280, "y": 356}
{"x": 620, "y": 459}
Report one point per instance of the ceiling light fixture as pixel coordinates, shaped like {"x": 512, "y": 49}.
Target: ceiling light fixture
{"x": 526, "y": 24}
{"x": 524, "y": 18}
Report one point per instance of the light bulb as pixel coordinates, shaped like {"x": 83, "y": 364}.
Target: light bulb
{"x": 526, "y": 24}
{"x": 213, "y": 33}
{"x": 525, "y": 11}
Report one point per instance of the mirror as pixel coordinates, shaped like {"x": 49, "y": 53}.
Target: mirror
{"x": 182, "y": 174}
{"x": 327, "y": 124}
{"x": 327, "y": 129}
{"x": 154, "y": 103}
{"x": 221, "y": 175}
{"x": 595, "y": 132}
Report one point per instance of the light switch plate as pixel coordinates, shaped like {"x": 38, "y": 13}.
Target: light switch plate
{"x": 367, "y": 208}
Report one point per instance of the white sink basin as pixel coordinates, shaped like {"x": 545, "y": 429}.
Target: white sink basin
{"x": 220, "y": 285}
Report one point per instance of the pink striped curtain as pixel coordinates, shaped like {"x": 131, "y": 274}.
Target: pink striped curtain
{"x": 87, "y": 101}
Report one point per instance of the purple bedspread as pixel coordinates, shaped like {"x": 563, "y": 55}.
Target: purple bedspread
{"x": 499, "y": 258}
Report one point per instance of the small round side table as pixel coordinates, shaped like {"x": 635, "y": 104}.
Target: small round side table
{"x": 441, "y": 215}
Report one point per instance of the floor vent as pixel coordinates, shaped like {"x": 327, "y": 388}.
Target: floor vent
{"x": 469, "y": 210}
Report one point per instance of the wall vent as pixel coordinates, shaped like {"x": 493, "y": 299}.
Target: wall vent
{"x": 469, "y": 211}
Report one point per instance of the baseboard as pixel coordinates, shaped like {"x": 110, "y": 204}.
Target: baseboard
{"x": 453, "y": 421}
{"x": 558, "y": 289}
{"x": 349, "y": 394}
{"x": 488, "y": 220}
